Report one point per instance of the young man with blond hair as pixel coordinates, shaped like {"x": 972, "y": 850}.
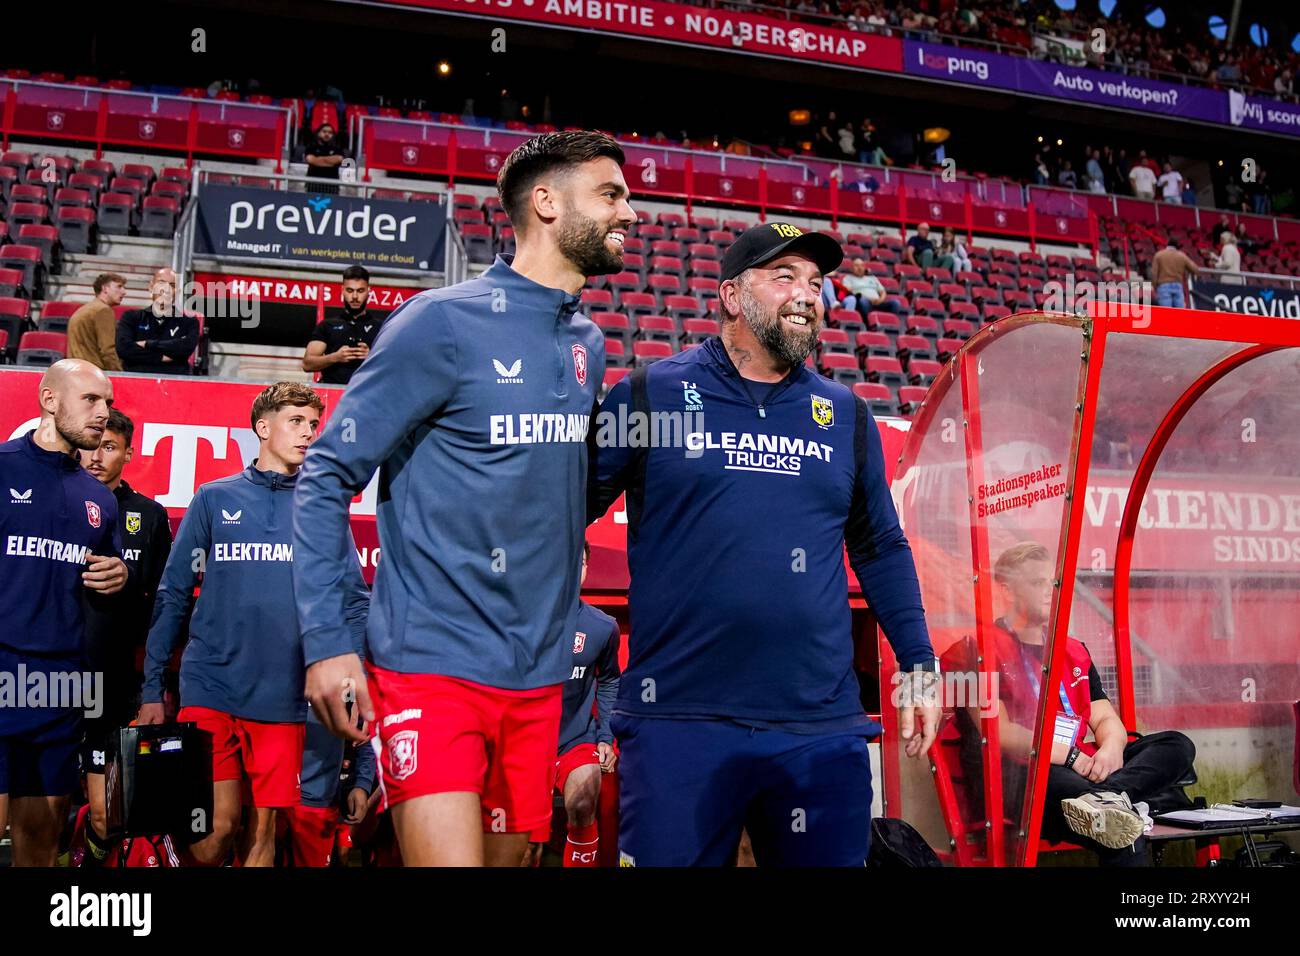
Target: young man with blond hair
{"x": 242, "y": 671}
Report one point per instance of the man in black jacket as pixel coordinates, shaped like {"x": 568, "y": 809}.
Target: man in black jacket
{"x": 161, "y": 338}
{"x": 117, "y": 628}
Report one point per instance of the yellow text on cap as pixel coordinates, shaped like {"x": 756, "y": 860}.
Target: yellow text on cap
{"x": 785, "y": 229}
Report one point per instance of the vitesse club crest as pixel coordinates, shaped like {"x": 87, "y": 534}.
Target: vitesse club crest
{"x": 133, "y": 522}
{"x": 823, "y": 411}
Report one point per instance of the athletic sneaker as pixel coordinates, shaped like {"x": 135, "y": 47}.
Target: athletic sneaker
{"x": 1106, "y": 817}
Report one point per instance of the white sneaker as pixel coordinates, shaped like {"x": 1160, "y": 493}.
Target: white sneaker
{"x": 1106, "y": 817}
{"x": 1144, "y": 811}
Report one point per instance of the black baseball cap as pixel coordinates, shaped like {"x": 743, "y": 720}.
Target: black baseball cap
{"x": 764, "y": 242}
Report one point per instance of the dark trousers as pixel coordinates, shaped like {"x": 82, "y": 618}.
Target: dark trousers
{"x": 1151, "y": 764}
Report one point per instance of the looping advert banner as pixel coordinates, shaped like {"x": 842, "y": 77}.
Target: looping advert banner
{"x": 674, "y": 22}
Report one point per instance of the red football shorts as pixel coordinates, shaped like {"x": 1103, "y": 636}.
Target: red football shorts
{"x": 443, "y": 735}
{"x": 577, "y": 756}
{"x": 267, "y": 756}
{"x": 310, "y": 834}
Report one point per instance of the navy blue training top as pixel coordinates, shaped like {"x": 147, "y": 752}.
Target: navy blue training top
{"x": 736, "y": 538}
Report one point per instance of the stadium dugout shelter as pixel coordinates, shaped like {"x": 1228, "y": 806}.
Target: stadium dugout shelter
{"x": 1155, "y": 455}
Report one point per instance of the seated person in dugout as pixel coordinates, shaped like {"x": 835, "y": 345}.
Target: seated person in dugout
{"x": 1092, "y": 786}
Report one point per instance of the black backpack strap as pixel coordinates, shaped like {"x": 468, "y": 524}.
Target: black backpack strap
{"x": 861, "y": 421}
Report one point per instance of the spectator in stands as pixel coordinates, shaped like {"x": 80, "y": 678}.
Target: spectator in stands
{"x": 1189, "y": 193}
{"x": 919, "y": 250}
{"x": 1096, "y": 176}
{"x": 161, "y": 338}
{"x": 1145, "y": 160}
{"x": 1261, "y": 203}
{"x": 340, "y": 344}
{"x": 1143, "y": 181}
{"x": 1229, "y": 258}
{"x": 92, "y": 329}
{"x": 953, "y": 245}
{"x": 1245, "y": 242}
{"x": 1171, "y": 184}
{"x": 847, "y": 142}
{"x": 324, "y": 157}
{"x": 1042, "y": 175}
{"x": 1169, "y": 272}
{"x": 1066, "y": 178}
{"x": 1284, "y": 85}
{"x": 1234, "y": 196}
{"x": 1219, "y": 228}
{"x": 825, "y": 143}
{"x": 864, "y": 291}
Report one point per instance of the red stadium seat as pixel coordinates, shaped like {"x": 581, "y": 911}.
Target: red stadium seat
{"x": 657, "y": 328}
{"x": 637, "y": 304}
{"x": 873, "y": 343}
{"x": 923, "y": 371}
{"x": 914, "y": 346}
{"x": 117, "y": 213}
{"x": 45, "y": 238}
{"x": 834, "y": 340}
{"x": 77, "y": 228}
{"x": 947, "y": 348}
{"x": 910, "y": 398}
{"x": 55, "y": 316}
{"x": 615, "y": 352}
{"x": 27, "y": 260}
{"x": 695, "y": 331}
{"x": 614, "y": 325}
{"x": 14, "y": 318}
{"x": 841, "y": 367}
{"x": 886, "y": 371}
{"x": 884, "y": 322}
{"x": 28, "y": 213}
{"x": 596, "y": 300}
{"x": 11, "y": 281}
{"x": 42, "y": 348}
{"x": 877, "y": 396}
{"x": 612, "y": 377}
{"x": 158, "y": 217}
{"x": 646, "y": 353}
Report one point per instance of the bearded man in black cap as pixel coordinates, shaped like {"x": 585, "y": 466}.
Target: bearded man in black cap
{"x": 740, "y": 707}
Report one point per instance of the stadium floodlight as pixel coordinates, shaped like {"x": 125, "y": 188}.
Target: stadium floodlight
{"x": 444, "y": 68}
{"x": 1295, "y": 43}
{"x": 1259, "y": 34}
{"x": 1107, "y": 7}
{"x": 1218, "y": 27}
{"x": 1066, "y": 5}
{"x": 1156, "y": 17}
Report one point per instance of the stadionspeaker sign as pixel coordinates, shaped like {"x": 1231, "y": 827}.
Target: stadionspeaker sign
{"x": 320, "y": 228}
{"x": 1247, "y": 299}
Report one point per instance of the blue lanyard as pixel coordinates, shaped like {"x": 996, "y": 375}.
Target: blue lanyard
{"x": 1032, "y": 674}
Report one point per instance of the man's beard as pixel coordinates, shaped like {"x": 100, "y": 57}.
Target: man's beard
{"x": 84, "y": 440}
{"x": 353, "y": 313}
{"x": 582, "y": 242}
{"x": 790, "y": 347}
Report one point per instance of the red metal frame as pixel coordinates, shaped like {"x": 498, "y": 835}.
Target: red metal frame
{"x": 1067, "y": 554}
{"x": 981, "y": 572}
{"x": 1259, "y": 335}
{"x": 1133, "y": 507}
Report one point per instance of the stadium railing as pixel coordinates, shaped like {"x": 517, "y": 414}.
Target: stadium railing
{"x": 149, "y": 121}
{"x": 807, "y": 186}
